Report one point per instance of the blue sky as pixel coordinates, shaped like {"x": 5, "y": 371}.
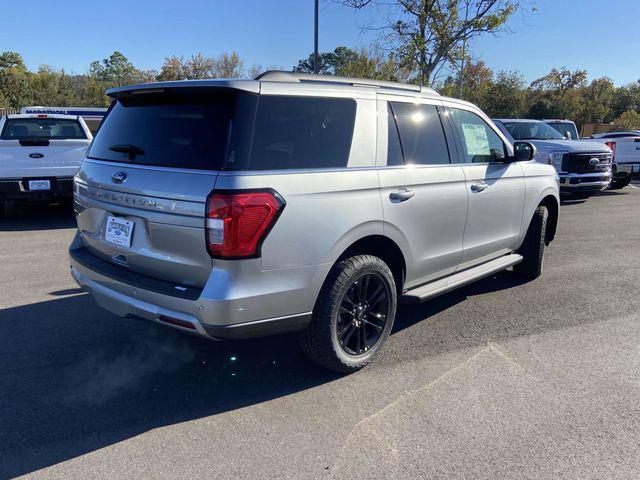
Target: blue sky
{"x": 601, "y": 37}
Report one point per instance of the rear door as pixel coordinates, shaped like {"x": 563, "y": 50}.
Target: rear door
{"x": 496, "y": 190}
{"x": 423, "y": 194}
{"x": 141, "y": 193}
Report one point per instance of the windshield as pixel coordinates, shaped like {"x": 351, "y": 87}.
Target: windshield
{"x": 566, "y": 129}
{"x": 42, "y": 128}
{"x": 532, "y": 131}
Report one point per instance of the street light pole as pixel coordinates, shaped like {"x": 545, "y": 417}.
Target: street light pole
{"x": 315, "y": 37}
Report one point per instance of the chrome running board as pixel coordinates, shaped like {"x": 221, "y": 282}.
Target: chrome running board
{"x": 444, "y": 285}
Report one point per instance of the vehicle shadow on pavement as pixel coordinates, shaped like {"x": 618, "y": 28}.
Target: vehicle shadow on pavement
{"x": 76, "y": 379}
{"x": 31, "y": 217}
{"x": 412, "y": 314}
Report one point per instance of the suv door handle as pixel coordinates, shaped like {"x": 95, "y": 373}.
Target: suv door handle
{"x": 478, "y": 187}
{"x": 402, "y": 195}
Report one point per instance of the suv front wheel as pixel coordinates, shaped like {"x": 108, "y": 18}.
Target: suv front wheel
{"x": 353, "y": 316}
{"x": 532, "y": 249}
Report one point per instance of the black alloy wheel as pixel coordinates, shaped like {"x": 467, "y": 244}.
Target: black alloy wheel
{"x": 363, "y": 313}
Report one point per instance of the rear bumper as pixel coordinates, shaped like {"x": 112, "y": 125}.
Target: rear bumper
{"x": 18, "y": 189}
{"x": 625, "y": 170}
{"x": 277, "y": 307}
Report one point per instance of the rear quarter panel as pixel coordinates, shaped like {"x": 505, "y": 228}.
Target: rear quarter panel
{"x": 325, "y": 212}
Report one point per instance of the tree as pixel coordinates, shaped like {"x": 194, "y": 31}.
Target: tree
{"x": 228, "y": 65}
{"x": 476, "y": 82}
{"x": 199, "y": 67}
{"x": 174, "y": 68}
{"x": 626, "y": 98}
{"x": 12, "y": 60}
{"x": 15, "y": 91}
{"x": 426, "y": 35}
{"x": 507, "y": 96}
{"x": 557, "y": 94}
{"x": 116, "y": 70}
{"x": 629, "y": 120}
{"x": 346, "y": 62}
{"x": 596, "y": 102}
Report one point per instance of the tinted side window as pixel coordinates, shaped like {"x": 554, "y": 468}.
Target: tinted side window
{"x": 394, "y": 148}
{"x": 302, "y": 132}
{"x": 480, "y": 143}
{"x": 421, "y": 134}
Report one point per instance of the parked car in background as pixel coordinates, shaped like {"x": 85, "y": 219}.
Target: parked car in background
{"x": 92, "y": 116}
{"x": 584, "y": 167}
{"x": 626, "y": 155}
{"x": 566, "y": 128}
{"x": 297, "y": 202}
{"x": 39, "y": 155}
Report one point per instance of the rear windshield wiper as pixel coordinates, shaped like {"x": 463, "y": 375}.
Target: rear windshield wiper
{"x": 132, "y": 150}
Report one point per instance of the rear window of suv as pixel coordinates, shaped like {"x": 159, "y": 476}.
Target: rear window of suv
{"x": 42, "y": 128}
{"x": 220, "y": 129}
{"x": 177, "y": 128}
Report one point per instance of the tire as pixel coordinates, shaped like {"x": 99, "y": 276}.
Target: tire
{"x": 532, "y": 249}
{"x": 618, "y": 184}
{"x": 339, "y": 315}
{"x": 3, "y": 208}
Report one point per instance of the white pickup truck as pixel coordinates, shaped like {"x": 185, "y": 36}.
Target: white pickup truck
{"x": 626, "y": 155}
{"x": 583, "y": 167}
{"x": 39, "y": 155}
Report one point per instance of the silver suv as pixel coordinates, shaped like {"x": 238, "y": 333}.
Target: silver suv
{"x": 293, "y": 202}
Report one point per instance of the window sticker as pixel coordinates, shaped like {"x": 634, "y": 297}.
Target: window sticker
{"x": 476, "y": 139}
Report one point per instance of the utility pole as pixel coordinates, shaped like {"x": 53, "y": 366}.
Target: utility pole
{"x": 460, "y": 75}
{"x": 464, "y": 55}
{"x": 315, "y": 36}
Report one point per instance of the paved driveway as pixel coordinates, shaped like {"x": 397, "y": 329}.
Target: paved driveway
{"x": 498, "y": 380}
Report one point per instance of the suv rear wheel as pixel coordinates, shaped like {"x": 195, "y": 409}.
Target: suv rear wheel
{"x": 353, "y": 316}
{"x": 532, "y": 249}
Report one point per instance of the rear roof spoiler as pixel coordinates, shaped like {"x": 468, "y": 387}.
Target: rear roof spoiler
{"x": 246, "y": 85}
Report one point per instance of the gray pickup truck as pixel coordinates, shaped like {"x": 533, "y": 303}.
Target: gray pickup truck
{"x": 584, "y": 167}
{"x": 292, "y": 202}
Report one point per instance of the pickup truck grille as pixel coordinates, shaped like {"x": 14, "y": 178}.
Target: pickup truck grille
{"x": 581, "y": 162}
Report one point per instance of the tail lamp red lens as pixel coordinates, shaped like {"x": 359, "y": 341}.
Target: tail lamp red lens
{"x": 612, "y": 146}
{"x": 238, "y": 222}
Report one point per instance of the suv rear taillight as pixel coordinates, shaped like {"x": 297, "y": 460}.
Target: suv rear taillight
{"x": 238, "y": 222}
{"x": 612, "y": 146}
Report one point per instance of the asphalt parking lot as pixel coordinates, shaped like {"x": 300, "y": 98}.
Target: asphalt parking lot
{"x": 498, "y": 380}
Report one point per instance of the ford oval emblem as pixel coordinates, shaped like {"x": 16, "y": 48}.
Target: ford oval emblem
{"x": 36, "y": 155}
{"x": 594, "y": 162}
{"x": 119, "y": 177}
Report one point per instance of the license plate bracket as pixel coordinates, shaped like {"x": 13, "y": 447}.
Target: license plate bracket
{"x": 35, "y": 185}
{"x": 119, "y": 231}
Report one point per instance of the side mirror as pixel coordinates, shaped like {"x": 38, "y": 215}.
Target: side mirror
{"x": 523, "y": 151}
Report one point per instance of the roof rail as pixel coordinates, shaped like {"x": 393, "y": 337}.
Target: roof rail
{"x": 284, "y": 76}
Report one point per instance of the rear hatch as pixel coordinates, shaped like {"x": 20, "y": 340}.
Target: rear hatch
{"x": 141, "y": 193}
{"x": 41, "y": 146}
